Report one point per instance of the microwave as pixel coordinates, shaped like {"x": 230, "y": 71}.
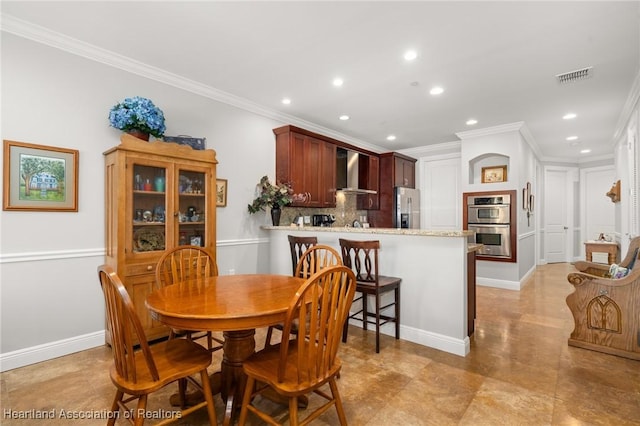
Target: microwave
{"x": 490, "y": 210}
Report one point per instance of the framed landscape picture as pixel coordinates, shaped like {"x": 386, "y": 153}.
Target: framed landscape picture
{"x": 40, "y": 178}
{"x": 494, "y": 174}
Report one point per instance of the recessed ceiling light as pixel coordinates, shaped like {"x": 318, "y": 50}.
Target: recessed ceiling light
{"x": 472, "y": 122}
{"x": 569, "y": 116}
{"x": 338, "y": 82}
{"x": 572, "y": 138}
{"x": 286, "y": 101}
{"x": 436, "y": 90}
{"x": 344, "y": 117}
{"x": 410, "y": 55}
{"x": 585, "y": 151}
{"x": 391, "y": 137}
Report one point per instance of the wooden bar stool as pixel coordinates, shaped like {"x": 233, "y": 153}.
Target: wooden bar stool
{"x": 362, "y": 258}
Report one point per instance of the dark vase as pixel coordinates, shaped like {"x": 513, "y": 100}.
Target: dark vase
{"x": 139, "y": 134}
{"x": 275, "y": 215}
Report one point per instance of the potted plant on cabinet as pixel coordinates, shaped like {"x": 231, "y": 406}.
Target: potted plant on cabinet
{"x": 139, "y": 117}
{"x": 271, "y": 195}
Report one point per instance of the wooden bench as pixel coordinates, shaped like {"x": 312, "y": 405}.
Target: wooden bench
{"x": 606, "y": 311}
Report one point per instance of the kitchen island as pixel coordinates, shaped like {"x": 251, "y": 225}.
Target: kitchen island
{"x": 433, "y": 265}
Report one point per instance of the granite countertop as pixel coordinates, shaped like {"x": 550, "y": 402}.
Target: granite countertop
{"x": 390, "y": 231}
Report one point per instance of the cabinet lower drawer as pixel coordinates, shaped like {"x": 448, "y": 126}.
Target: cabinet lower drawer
{"x": 140, "y": 268}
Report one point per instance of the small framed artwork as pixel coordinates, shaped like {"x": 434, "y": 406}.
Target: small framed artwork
{"x": 196, "y": 240}
{"x": 494, "y": 174}
{"x": 40, "y": 178}
{"x": 526, "y": 191}
{"x": 221, "y": 192}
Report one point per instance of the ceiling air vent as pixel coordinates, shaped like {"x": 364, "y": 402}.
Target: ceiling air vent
{"x": 570, "y": 77}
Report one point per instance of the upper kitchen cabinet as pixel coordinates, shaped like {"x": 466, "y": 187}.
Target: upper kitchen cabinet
{"x": 404, "y": 170}
{"x": 369, "y": 178}
{"x": 308, "y": 163}
{"x": 395, "y": 170}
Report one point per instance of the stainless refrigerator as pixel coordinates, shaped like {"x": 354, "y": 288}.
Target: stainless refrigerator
{"x": 407, "y": 208}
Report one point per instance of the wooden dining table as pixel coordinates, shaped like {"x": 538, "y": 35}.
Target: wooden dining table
{"x": 233, "y": 304}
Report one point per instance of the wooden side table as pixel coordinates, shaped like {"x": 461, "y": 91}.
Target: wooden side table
{"x": 601, "y": 247}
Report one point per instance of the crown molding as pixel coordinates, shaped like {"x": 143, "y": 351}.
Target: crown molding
{"x": 573, "y": 161}
{"x": 21, "y": 28}
{"x": 518, "y": 126}
{"x": 425, "y": 150}
{"x": 503, "y": 128}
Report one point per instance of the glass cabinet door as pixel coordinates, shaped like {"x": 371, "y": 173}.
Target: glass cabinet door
{"x": 191, "y": 207}
{"x": 149, "y": 208}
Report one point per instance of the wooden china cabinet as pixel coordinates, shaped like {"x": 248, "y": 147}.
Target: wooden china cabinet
{"x": 157, "y": 195}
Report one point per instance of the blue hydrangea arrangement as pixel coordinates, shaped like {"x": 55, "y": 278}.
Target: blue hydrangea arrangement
{"x": 138, "y": 113}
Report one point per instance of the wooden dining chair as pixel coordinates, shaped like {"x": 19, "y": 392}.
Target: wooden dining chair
{"x": 311, "y": 261}
{"x": 294, "y": 369}
{"x": 297, "y": 246}
{"x": 183, "y": 263}
{"x": 138, "y": 373}
{"x": 362, "y": 257}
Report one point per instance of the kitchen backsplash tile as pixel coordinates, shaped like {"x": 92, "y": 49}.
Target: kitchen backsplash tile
{"x": 345, "y": 211}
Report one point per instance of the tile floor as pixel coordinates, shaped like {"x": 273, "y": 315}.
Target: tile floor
{"x": 520, "y": 371}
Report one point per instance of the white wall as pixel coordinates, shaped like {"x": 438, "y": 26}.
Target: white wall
{"x": 496, "y": 146}
{"x": 627, "y": 166}
{"x": 597, "y": 212}
{"x": 50, "y": 291}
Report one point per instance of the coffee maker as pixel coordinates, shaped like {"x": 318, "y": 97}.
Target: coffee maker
{"x": 323, "y": 219}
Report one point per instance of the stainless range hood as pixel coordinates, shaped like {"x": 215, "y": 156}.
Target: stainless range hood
{"x": 347, "y": 172}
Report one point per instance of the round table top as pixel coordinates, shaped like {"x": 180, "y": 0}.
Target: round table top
{"x": 224, "y": 303}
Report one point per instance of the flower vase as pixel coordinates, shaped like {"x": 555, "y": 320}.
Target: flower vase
{"x": 275, "y": 215}
{"x": 139, "y": 134}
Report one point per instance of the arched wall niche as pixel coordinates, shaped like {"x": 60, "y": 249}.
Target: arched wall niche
{"x": 490, "y": 159}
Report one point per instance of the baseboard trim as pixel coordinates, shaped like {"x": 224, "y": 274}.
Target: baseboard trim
{"x": 490, "y": 282}
{"x": 460, "y": 347}
{"x": 47, "y": 351}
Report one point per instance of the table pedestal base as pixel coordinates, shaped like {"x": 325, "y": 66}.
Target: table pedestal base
{"x": 231, "y": 381}
{"x": 238, "y": 346}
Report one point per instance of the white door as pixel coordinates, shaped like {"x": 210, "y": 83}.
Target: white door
{"x": 441, "y": 196}
{"x": 556, "y": 215}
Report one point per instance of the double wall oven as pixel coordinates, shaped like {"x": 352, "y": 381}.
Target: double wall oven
{"x": 489, "y": 216}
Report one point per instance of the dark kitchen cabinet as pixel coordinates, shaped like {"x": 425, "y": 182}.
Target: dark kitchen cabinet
{"x": 308, "y": 164}
{"x": 369, "y": 177}
{"x": 395, "y": 170}
{"x": 404, "y": 171}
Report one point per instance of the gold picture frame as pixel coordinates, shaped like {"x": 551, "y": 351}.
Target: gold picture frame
{"x": 221, "y": 192}
{"x": 494, "y": 174}
{"x": 39, "y": 178}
